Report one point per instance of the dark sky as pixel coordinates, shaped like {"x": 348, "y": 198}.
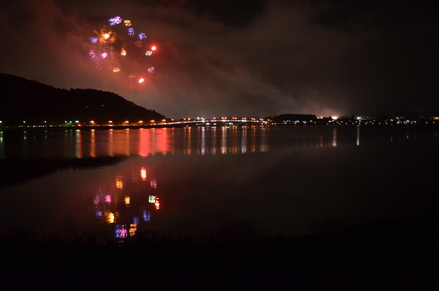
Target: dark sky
{"x": 233, "y": 58}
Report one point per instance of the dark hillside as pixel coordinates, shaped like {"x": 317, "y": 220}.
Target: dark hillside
{"x": 34, "y": 102}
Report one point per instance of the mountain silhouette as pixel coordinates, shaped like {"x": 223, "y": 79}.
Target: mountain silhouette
{"x": 33, "y": 102}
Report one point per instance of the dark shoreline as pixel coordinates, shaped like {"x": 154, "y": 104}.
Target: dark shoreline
{"x": 394, "y": 255}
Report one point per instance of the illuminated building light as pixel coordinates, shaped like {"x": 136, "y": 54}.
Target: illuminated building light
{"x": 104, "y": 55}
{"x": 116, "y": 70}
{"x": 153, "y": 48}
{"x": 141, "y": 80}
{"x": 148, "y": 53}
{"x": 119, "y": 182}
{"x": 93, "y": 39}
{"x": 106, "y": 35}
{"x": 151, "y": 70}
{"x": 123, "y": 52}
{"x": 151, "y": 199}
{"x": 130, "y": 31}
{"x": 108, "y": 198}
{"x": 127, "y": 200}
{"x": 143, "y": 173}
{"x": 157, "y": 203}
{"x": 127, "y": 22}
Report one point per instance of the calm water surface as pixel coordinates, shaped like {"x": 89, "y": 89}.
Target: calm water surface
{"x": 222, "y": 180}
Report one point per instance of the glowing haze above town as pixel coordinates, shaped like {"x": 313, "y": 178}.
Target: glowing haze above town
{"x": 232, "y": 58}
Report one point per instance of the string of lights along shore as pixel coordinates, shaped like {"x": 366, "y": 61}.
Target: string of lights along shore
{"x": 120, "y": 48}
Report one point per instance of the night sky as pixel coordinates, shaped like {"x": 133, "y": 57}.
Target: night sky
{"x": 231, "y": 57}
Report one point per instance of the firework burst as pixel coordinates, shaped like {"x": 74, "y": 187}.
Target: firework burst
{"x": 119, "y": 48}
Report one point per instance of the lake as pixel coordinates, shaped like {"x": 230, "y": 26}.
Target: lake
{"x": 225, "y": 181}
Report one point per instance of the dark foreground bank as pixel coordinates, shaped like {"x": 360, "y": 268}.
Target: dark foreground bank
{"x": 397, "y": 255}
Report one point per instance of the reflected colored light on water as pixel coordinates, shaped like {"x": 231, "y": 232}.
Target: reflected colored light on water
{"x": 153, "y": 183}
{"x": 223, "y": 140}
{"x": 133, "y": 229}
{"x": 244, "y": 140}
{"x": 203, "y": 140}
{"x": 234, "y": 139}
{"x": 263, "y": 144}
{"x": 127, "y": 141}
{"x": 143, "y": 173}
{"x": 334, "y": 137}
{"x": 145, "y": 142}
{"x": 162, "y": 141}
{"x": 83, "y": 143}
{"x": 188, "y": 140}
{"x": 110, "y": 143}
{"x": 92, "y": 143}
{"x": 108, "y": 189}
{"x": 146, "y": 215}
{"x": 99, "y": 214}
{"x": 111, "y": 218}
{"x": 121, "y": 231}
{"x": 119, "y": 182}
{"x": 214, "y": 143}
{"x": 2, "y": 151}
{"x": 78, "y": 143}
